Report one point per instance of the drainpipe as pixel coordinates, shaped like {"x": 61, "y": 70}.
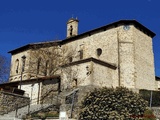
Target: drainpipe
{"x": 39, "y": 88}
{"x": 16, "y": 114}
{"x": 72, "y": 105}
{"x": 150, "y": 104}
{"x": 23, "y": 65}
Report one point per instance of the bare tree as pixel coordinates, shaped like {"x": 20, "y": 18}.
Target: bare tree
{"x": 46, "y": 59}
{"x": 4, "y": 69}
{"x": 70, "y": 75}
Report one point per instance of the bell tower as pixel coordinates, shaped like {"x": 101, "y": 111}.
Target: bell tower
{"x": 72, "y": 27}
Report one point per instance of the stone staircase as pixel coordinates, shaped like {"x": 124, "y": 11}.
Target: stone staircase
{"x": 20, "y": 113}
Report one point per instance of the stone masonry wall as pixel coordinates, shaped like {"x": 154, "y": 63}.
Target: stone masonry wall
{"x": 10, "y": 101}
{"x": 16, "y": 75}
{"x": 49, "y": 91}
{"x": 110, "y": 76}
{"x": 144, "y": 61}
{"x": 126, "y": 57}
{"x": 106, "y": 41}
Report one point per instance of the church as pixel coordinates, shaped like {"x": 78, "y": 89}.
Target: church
{"x": 116, "y": 54}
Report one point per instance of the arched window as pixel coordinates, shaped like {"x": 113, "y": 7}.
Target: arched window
{"x": 38, "y": 65}
{"x": 71, "y": 30}
{"x": 23, "y": 62}
{"x": 81, "y": 54}
{"x": 17, "y": 66}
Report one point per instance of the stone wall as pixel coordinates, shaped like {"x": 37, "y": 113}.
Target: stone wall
{"x": 110, "y": 76}
{"x": 144, "y": 61}
{"x": 32, "y": 90}
{"x": 158, "y": 84}
{"x": 76, "y": 75}
{"x": 49, "y": 91}
{"x": 10, "y": 101}
{"x": 106, "y": 42}
{"x": 16, "y": 68}
{"x": 126, "y": 57}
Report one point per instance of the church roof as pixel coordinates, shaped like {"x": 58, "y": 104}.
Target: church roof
{"x": 112, "y": 25}
{"x": 28, "y": 46}
{"x": 88, "y": 33}
{"x": 72, "y": 19}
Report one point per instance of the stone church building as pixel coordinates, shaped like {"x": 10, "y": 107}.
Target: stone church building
{"x": 117, "y": 54}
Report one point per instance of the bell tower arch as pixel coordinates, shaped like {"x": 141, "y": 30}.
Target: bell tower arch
{"x": 72, "y": 27}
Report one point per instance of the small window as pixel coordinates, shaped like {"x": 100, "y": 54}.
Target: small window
{"x": 99, "y": 52}
{"x": 71, "y": 29}
{"x": 70, "y": 59}
{"x": 81, "y": 54}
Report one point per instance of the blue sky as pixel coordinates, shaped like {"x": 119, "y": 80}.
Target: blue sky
{"x": 28, "y": 21}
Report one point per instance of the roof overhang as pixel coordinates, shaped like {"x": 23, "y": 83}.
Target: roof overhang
{"x": 88, "y": 33}
{"x": 39, "y": 79}
{"x": 34, "y": 45}
{"x": 100, "y": 62}
{"x": 112, "y": 25}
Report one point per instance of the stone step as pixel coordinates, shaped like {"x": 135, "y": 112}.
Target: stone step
{"x": 33, "y": 108}
{"x": 23, "y": 111}
{"x": 9, "y": 118}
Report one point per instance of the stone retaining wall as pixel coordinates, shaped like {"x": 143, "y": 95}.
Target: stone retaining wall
{"x": 9, "y": 102}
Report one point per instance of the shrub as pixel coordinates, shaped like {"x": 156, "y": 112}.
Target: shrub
{"x": 148, "y": 115}
{"x": 52, "y": 114}
{"x": 45, "y": 114}
{"x": 109, "y": 104}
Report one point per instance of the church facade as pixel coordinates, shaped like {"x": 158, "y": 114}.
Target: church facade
{"x": 117, "y": 54}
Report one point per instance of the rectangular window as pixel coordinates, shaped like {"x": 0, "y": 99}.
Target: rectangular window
{"x": 81, "y": 54}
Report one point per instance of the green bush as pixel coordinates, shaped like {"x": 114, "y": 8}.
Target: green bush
{"x": 112, "y": 104}
{"x": 35, "y": 116}
{"x": 148, "y": 115}
{"x": 45, "y": 114}
{"x": 52, "y": 115}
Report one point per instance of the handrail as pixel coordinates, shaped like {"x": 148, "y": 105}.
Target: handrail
{"x": 56, "y": 97}
{"x": 55, "y": 100}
